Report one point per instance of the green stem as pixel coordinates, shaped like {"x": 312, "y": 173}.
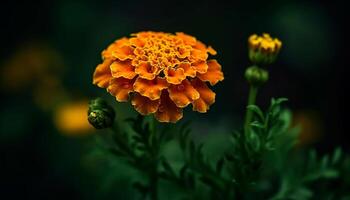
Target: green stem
{"x": 154, "y": 151}
{"x": 154, "y": 183}
{"x": 251, "y": 101}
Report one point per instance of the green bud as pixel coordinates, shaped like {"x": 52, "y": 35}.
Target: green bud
{"x": 259, "y": 57}
{"x": 256, "y": 76}
{"x": 100, "y": 114}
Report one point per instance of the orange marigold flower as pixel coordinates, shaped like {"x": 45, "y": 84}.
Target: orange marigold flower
{"x": 160, "y": 72}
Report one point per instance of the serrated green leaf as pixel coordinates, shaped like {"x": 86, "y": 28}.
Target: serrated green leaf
{"x": 257, "y": 111}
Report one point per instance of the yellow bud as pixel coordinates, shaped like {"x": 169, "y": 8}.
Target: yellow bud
{"x": 263, "y": 49}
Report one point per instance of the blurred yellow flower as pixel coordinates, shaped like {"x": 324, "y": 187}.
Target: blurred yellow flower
{"x": 71, "y": 119}
{"x": 310, "y": 127}
{"x": 28, "y": 65}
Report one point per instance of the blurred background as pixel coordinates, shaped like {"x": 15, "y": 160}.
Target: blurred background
{"x": 50, "y": 48}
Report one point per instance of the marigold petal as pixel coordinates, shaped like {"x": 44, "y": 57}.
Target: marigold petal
{"x": 123, "y": 69}
{"x": 174, "y": 76}
{"x": 214, "y": 73}
{"x": 183, "y": 94}
{"x": 107, "y": 53}
{"x": 144, "y": 105}
{"x": 102, "y": 74}
{"x": 199, "y": 54}
{"x": 124, "y": 52}
{"x": 200, "y": 46}
{"x": 139, "y": 51}
{"x": 120, "y": 88}
{"x": 183, "y": 52}
{"x": 137, "y": 42}
{"x": 150, "y": 88}
{"x": 207, "y": 96}
{"x": 186, "y": 38}
{"x": 146, "y": 71}
{"x": 188, "y": 69}
{"x": 167, "y": 110}
{"x": 211, "y": 51}
{"x": 200, "y": 67}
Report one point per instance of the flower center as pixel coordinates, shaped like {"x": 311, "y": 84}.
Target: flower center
{"x": 162, "y": 50}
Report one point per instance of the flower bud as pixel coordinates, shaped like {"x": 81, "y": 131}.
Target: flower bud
{"x": 256, "y": 76}
{"x": 100, "y": 114}
{"x": 263, "y": 50}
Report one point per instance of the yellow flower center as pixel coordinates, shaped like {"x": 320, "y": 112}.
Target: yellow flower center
{"x": 161, "y": 50}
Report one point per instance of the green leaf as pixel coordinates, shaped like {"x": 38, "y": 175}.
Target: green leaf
{"x": 256, "y": 110}
{"x": 167, "y": 167}
{"x": 324, "y": 162}
{"x": 330, "y": 173}
{"x": 257, "y": 125}
{"x": 278, "y": 101}
{"x": 336, "y": 155}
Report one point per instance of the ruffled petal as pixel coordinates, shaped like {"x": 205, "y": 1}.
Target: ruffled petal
{"x": 107, "y": 53}
{"x": 120, "y": 88}
{"x": 188, "y": 69}
{"x": 200, "y": 46}
{"x": 167, "y": 110}
{"x": 174, "y": 76}
{"x": 199, "y": 54}
{"x": 206, "y": 96}
{"x": 183, "y": 94}
{"x": 187, "y": 39}
{"x": 146, "y": 71}
{"x": 137, "y": 42}
{"x": 200, "y": 67}
{"x": 211, "y": 51}
{"x": 124, "y": 52}
{"x": 150, "y": 88}
{"x": 144, "y": 105}
{"x": 123, "y": 69}
{"x": 183, "y": 51}
{"x": 214, "y": 73}
{"x": 102, "y": 74}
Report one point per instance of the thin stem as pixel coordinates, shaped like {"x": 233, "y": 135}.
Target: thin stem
{"x": 154, "y": 151}
{"x": 251, "y": 101}
{"x": 154, "y": 183}
{"x": 153, "y": 131}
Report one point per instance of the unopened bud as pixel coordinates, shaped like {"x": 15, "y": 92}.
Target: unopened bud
{"x": 100, "y": 114}
{"x": 256, "y": 76}
{"x": 263, "y": 50}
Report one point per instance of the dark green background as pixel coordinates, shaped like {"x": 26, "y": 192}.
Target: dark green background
{"x": 310, "y": 71}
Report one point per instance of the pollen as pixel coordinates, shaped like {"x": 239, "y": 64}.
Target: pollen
{"x": 160, "y": 73}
